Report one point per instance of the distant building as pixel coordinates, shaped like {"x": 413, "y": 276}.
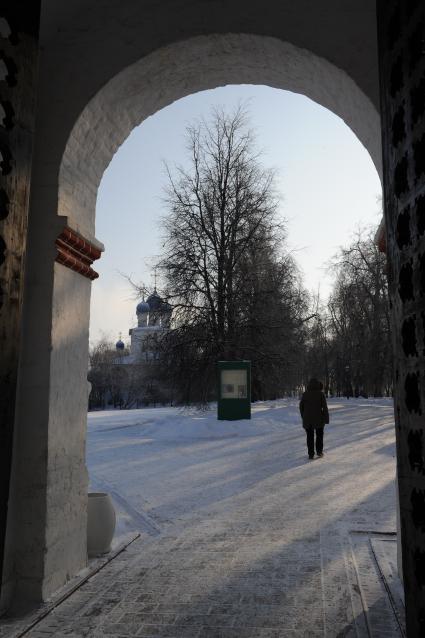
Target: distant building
{"x": 153, "y": 320}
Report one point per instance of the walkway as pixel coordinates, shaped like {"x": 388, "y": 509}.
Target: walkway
{"x": 241, "y": 535}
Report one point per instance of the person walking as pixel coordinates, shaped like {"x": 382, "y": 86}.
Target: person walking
{"x": 314, "y": 413}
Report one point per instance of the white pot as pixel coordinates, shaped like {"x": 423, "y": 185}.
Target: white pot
{"x": 100, "y": 523}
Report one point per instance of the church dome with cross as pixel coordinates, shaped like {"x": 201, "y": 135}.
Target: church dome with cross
{"x": 153, "y": 312}
{"x": 153, "y": 320}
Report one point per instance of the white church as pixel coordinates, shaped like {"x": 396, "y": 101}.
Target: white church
{"x": 153, "y": 320}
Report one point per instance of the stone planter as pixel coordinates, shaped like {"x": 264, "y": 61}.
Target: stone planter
{"x": 100, "y": 523}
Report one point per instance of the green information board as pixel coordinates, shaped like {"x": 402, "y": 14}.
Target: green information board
{"x": 234, "y": 390}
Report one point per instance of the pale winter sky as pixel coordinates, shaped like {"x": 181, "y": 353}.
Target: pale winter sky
{"x": 328, "y": 183}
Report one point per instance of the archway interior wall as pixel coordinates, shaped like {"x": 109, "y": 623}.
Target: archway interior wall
{"x": 402, "y": 77}
{"x": 184, "y": 68}
{"x": 203, "y": 62}
{"x": 134, "y": 94}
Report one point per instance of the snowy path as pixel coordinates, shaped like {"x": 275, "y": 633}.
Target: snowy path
{"x": 241, "y": 535}
{"x": 171, "y": 464}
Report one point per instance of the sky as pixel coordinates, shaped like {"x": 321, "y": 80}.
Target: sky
{"x": 328, "y": 184}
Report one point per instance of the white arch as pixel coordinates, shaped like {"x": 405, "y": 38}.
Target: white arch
{"x": 52, "y": 396}
{"x": 183, "y": 68}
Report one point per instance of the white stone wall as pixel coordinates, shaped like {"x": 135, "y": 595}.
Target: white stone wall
{"x": 47, "y": 526}
{"x": 67, "y": 479}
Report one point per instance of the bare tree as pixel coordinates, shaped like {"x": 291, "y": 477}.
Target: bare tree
{"x": 318, "y": 345}
{"x": 105, "y": 377}
{"x": 359, "y": 309}
{"x": 122, "y": 385}
{"x": 216, "y": 210}
{"x": 272, "y": 307}
{"x": 350, "y": 343}
{"x": 234, "y": 290}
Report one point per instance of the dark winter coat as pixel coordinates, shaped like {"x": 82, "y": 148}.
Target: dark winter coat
{"x": 313, "y": 406}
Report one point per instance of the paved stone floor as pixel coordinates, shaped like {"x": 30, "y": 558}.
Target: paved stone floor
{"x": 286, "y": 552}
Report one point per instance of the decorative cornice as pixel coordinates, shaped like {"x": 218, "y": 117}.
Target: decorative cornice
{"x": 77, "y": 253}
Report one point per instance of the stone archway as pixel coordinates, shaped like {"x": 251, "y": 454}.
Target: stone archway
{"x": 90, "y": 44}
{"x": 47, "y": 526}
{"x": 185, "y": 68}
{"x": 138, "y": 91}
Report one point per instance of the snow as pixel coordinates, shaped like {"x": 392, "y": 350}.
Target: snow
{"x": 238, "y": 533}
{"x": 164, "y": 466}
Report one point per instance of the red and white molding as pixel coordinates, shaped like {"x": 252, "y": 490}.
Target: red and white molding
{"x": 77, "y": 253}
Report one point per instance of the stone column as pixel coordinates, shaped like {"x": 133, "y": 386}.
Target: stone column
{"x": 47, "y": 530}
{"x": 19, "y": 30}
{"x": 402, "y": 75}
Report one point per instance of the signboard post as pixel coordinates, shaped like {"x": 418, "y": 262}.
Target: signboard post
{"x": 234, "y": 390}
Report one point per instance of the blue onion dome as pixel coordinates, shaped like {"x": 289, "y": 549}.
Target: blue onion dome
{"x": 142, "y": 307}
{"x": 119, "y": 345}
{"x": 155, "y": 302}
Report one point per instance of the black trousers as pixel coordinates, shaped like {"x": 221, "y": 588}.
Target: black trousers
{"x": 310, "y": 440}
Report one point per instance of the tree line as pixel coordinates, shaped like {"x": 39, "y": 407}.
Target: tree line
{"x": 237, "y": 292}
{"x": 349, "y": 340}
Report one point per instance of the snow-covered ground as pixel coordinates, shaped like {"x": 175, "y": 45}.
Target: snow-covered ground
{"x": 163, "y": 465}
{"x": 241, "y": 535}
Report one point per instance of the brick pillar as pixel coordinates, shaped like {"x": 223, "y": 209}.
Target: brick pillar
{"x": 401, "y": 25}
{"x": 18, "y": 65}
